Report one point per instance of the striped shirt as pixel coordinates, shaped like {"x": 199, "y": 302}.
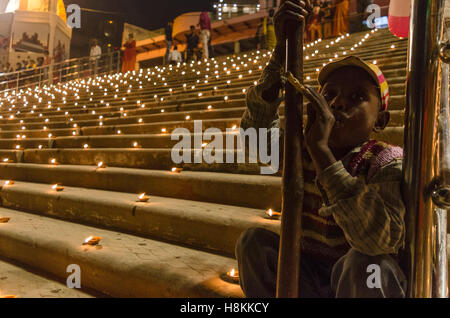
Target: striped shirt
{"x": 356, "y": 202}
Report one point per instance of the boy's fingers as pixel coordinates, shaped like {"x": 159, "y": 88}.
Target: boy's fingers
{"x": 289, "y": 15}
{"x": 309, "y": 6}
{"x": 298, "y": 8}
{"x": 290, "y": 10}
{"x": 317, "y": 102}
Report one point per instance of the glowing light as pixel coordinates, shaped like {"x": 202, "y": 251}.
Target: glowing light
{"x": 272, "y": 214}
{"x": 57, "y": 187}
{"x": 176, "y": 170}
{"x": 92, "y": 240}
{"x": 143, "y": 197}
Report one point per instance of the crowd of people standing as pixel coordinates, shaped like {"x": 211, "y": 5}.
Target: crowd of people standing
{"x": 193, "y": 37}
{"x": 330, "y": 19}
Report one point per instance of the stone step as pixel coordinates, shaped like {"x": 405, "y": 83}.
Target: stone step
{"x": 83, "y": 127}
{"x": 154, "y": 158}
{"x": 236, "y": 99}
{"x": 122, "y": 266}
{"x": 178, "y": 221}
{"x": 395, "y": 103}
{"x": 261, "y": 192}
{"x": 161, "y": 140}
{"x": 23, "y": 282}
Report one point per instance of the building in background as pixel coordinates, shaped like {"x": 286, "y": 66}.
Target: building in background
{"x": 234, "y": 28}
{"x": 29, "y": 28}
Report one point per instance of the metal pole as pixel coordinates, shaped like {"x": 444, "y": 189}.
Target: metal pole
{"x": 440, "y": 196}
{"x": 293, "y": 183}
{"x": 422, "y": 100}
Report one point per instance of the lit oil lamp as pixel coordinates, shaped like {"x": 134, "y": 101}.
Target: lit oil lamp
{"x": 143, "y": 197}
{"x": 272, "y": 214}
{"x": 57, "y": 187}
{"x": 53, "y": 161}
{"x": 176, "y": 170}
{"x": 101, "y": 165}
{"x": 231, "y": 276}
{"x": 92, "y": 240}
{"x": 4, "y": 220}
{"x": 9, "y": 182}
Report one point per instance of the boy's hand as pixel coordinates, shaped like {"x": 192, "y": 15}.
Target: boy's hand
{"x": 320, "y": 119}
{"x": 292, "y": 10}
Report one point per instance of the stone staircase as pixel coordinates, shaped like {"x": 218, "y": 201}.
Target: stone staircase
{"x": 180, "y": 242}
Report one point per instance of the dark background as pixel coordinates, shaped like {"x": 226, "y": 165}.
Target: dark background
{"x": 149, "y": 14}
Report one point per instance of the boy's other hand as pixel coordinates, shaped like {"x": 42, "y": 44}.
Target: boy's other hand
{"x": 292, "y": 10}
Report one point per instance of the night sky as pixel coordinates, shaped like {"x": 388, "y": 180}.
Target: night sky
{"x": 149, "y": 14}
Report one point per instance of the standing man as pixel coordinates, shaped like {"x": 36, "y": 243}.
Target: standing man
{"x": 192, "y": 44}
{"x": 96, "y": 52}
{"x": 205, "y": 32}
{"x": 175, "y": 56}
{"x": 129, "y": 54}
{"x": 169, "y": 40}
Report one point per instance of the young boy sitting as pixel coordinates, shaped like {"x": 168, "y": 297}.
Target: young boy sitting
{"x": 353, "y": 213}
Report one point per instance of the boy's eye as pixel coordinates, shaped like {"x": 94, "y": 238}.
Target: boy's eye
{"x": 358, "y": 96}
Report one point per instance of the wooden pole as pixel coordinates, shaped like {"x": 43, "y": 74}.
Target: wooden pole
{"x": 293, "y": 183}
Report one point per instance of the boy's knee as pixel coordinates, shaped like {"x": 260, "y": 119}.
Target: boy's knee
{"x": 356, "y": 265}
{"x": 251, "y": 239}
{"x": 360, "y": 275}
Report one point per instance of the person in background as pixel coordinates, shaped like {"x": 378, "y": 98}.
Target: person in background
{"x": 315, "y": 25}
{"x": 47, "y": 62}
{"x": 129, "y": 55}
{"x": 341, "y": 23}
{"x": 327, "y": 9}
{"x": 95, "y": 54}
{"x": 169, "y": 40}
{"x": 210, "y": 49}
{"x": 205, "y": 32}
{"x": 192, "y": 44}
{"x": 175, "y": 56}
{"x": 265, "y": 34}
{"x": 39, "y": 64}
{"x": 31, "y": 65}
{"x": 40, "y": 61}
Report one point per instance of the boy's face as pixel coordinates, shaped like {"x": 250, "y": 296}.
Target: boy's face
{"x": 354, "y": 100}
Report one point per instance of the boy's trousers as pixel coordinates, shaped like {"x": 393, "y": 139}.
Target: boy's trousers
{"x": 353, "y": 275}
